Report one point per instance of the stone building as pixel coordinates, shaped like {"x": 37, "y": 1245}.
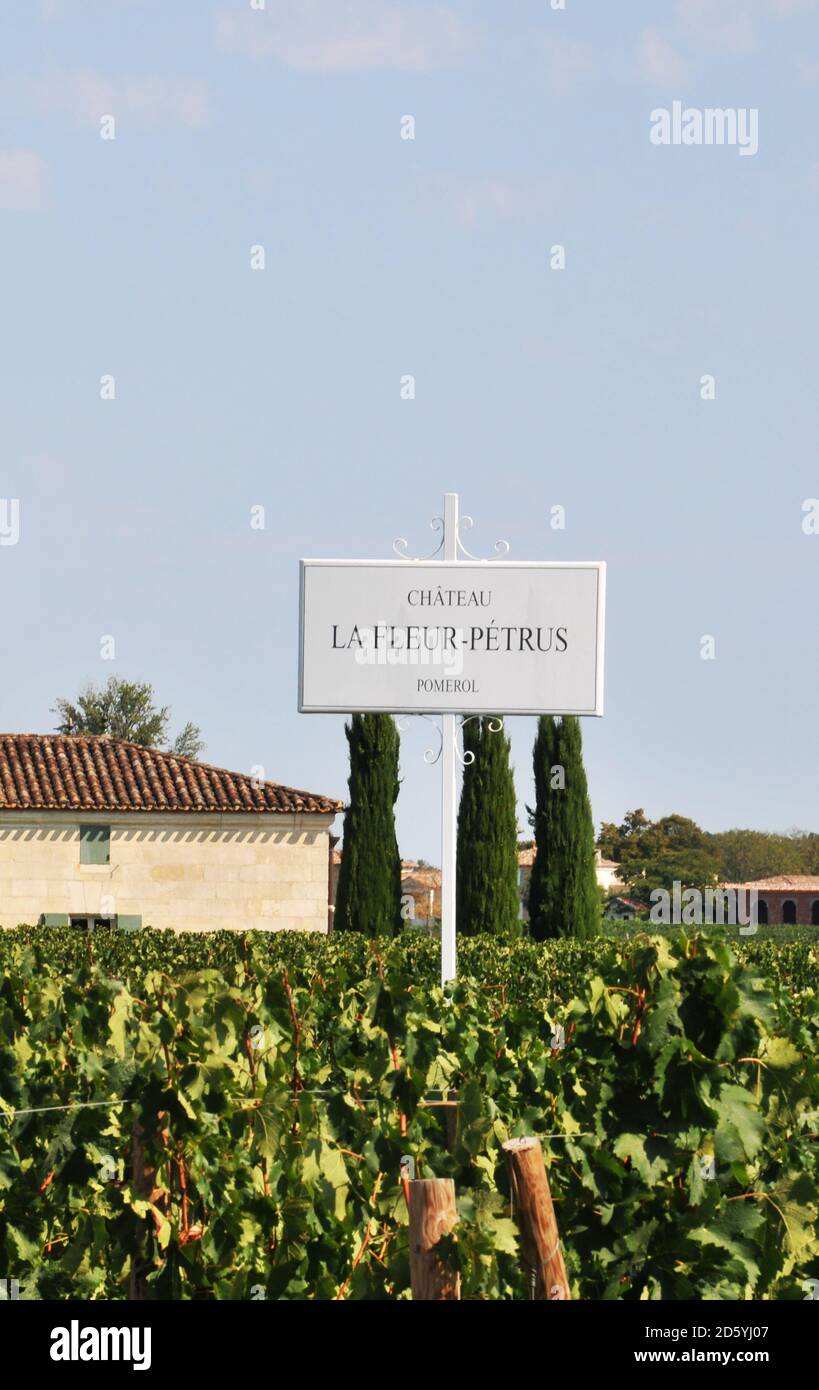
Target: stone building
{"x": 420, "y": 893}
{"x": 98, "y": 831}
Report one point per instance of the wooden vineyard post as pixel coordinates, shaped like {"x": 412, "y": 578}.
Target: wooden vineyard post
{"x": 432, "y": 1215}
{"x": 535, "y": 1213}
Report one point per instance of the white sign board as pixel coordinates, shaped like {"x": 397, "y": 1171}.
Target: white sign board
{"x": 422, "y": 637}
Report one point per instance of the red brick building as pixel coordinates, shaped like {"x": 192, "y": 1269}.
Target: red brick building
{"x": 785, "y": 900}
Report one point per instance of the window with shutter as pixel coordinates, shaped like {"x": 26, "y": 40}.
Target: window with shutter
{"x": 95, "y": 844}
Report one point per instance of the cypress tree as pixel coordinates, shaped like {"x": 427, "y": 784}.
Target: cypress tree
{"x": 487, "y": 885}
{"x": 563, "y": 895}
{"x": 368, "y": 896}
{"x": 582, "y": 895}
{"x": 541, "y": 890}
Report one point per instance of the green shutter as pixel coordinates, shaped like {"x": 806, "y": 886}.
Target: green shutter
{"x": 54, "y": 919}
{"x": 128, "y": 923}
{"x": 95, "y": 844}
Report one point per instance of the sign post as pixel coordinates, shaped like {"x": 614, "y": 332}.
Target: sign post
{"x": 449, "y": 788}
{"x": 455, "y": 637}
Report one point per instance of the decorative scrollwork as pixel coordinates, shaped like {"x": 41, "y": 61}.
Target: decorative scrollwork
{"x": 465, "y": 523}
{"x": 431, "y": 755}
{"x": 401, "y": 546}
{"x": 502, "y": 547}
{"x": 467, "y": 758}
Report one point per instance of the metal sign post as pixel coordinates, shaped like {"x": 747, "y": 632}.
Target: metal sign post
{"x": 449, "y": 822}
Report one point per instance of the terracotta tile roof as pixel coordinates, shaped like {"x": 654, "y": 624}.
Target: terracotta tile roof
{"x": 57, "y": 772}
{"x": 782, "y": 883}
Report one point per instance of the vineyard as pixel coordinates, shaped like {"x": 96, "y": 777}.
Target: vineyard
{"x": 226, "y": 1116}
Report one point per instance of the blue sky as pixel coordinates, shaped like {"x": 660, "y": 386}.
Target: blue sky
{"x": 238, "y": 127}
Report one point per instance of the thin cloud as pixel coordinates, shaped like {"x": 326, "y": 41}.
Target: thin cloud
{"x": 348, "y": 35}
{"x": 23, "y": 181}
{"x": 719, "y": 26}
{"x": 658, "y": 62}
{"x": 567, "y": 61}
{"x": 473, "y": 201}
{"x": 730, "y": 26}
{"x": 83, "y": 96}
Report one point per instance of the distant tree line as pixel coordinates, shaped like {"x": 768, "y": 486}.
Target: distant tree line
{"x": 655, "y": 854}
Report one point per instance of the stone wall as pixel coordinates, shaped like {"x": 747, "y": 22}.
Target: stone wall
{"x": 190, "y": 872}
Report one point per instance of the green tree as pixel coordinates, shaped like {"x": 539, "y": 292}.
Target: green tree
{"x": 487, "y": 898}
{"x": 614, "y": 840}
{"x": 127, "y": 710}
{"x": 748, "y": 854}
{"x": 673, "y": 849}
{"x": 542, "y": 819}
{"x": 563, "y": 896}
{"x": 810, "y": 852}
{"x": 368, "y": 897}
